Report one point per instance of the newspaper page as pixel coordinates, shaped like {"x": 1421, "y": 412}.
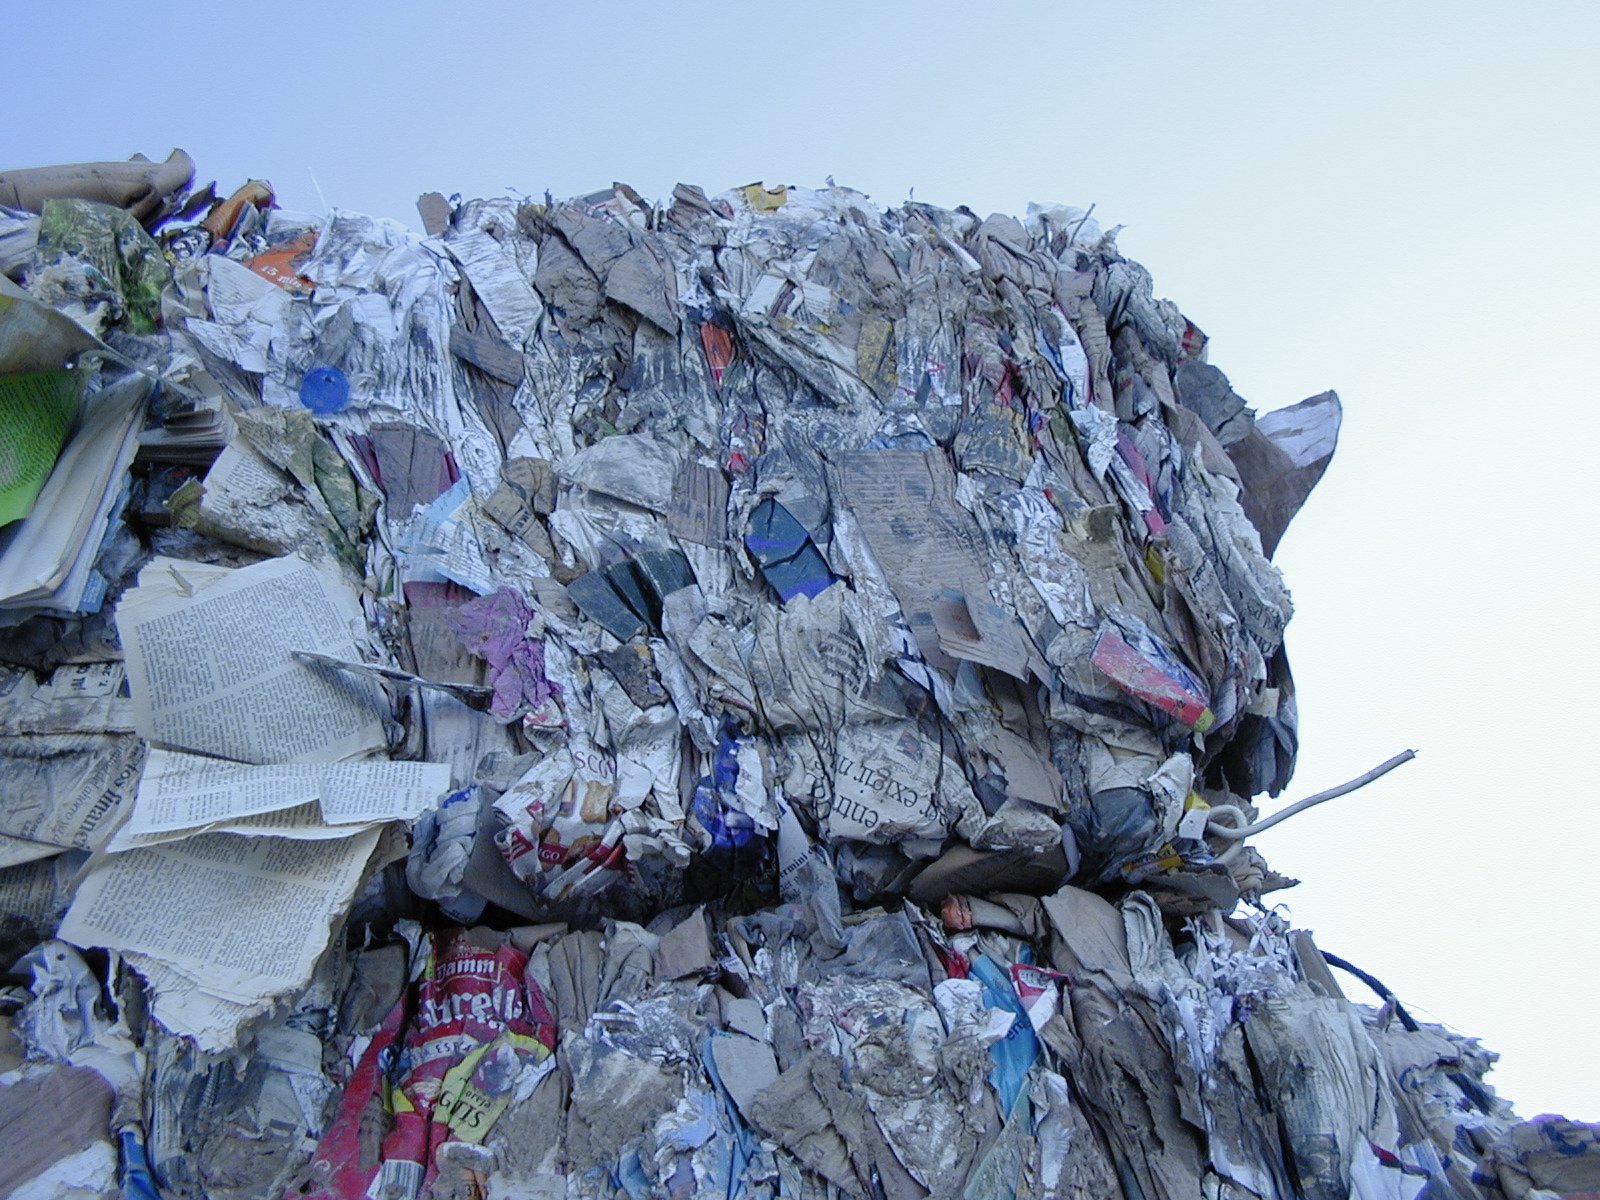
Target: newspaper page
{"x": 16, "y": 852}
{"x": 210, "y": 669}
{"x": 76, "y": 698}
{"x": 64, "y": 791}
{"x": 699, "y": 511}
{"x": 186, "y": 793}
{"x": 498, "y": 282}
{"x": 931, "y": 552}
{"x": 440, "y": 542}
{"x": 243, "y": 917}
{"x": 36, "y": 892}
{"x": 379, "y": 791}
{"x": 301, "y": 821}
{"x": 249, "y": 500}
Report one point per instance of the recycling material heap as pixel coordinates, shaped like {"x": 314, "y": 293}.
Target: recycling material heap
{"x": 751, "y": 696}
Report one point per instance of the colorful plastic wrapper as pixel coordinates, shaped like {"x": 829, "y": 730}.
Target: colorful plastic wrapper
{"x": 476, "y": 1034}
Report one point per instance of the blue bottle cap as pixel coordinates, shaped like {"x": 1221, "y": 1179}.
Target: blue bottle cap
{"x": 324, "y": 390}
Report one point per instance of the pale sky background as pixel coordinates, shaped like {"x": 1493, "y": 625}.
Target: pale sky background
{"x": 1398, "y": 201}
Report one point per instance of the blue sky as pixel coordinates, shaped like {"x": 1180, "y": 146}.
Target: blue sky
{"x": 1398, "y": 202}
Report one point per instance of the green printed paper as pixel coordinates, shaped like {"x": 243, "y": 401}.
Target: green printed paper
{"x": 36, "y": 410}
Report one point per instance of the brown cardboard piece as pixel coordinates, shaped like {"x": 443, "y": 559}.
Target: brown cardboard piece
{"x": 150, "y": 191}
{"x": 48, "y": 1118}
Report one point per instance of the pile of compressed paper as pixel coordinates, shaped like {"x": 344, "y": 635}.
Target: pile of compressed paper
{"x": 751, "y": 696}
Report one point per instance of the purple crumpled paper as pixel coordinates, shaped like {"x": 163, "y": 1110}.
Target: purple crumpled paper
{"x": 495, "y": 628}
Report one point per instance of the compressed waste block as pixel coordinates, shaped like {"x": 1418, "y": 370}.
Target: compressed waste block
{"x": 751, "y": 695}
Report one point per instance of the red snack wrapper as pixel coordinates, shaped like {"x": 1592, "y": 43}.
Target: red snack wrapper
{"x": 478, "y": 1026}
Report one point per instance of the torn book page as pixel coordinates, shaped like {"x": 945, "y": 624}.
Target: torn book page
{"x": 210, "y": 668}
{"x": 191, "y": 792}
{"x": 244, "y": 917}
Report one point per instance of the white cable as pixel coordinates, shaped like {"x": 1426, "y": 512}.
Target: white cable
{"x": 1234, "y": 833}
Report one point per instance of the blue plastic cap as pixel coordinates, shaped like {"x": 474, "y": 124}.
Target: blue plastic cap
{"x": 324, "y": 390}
